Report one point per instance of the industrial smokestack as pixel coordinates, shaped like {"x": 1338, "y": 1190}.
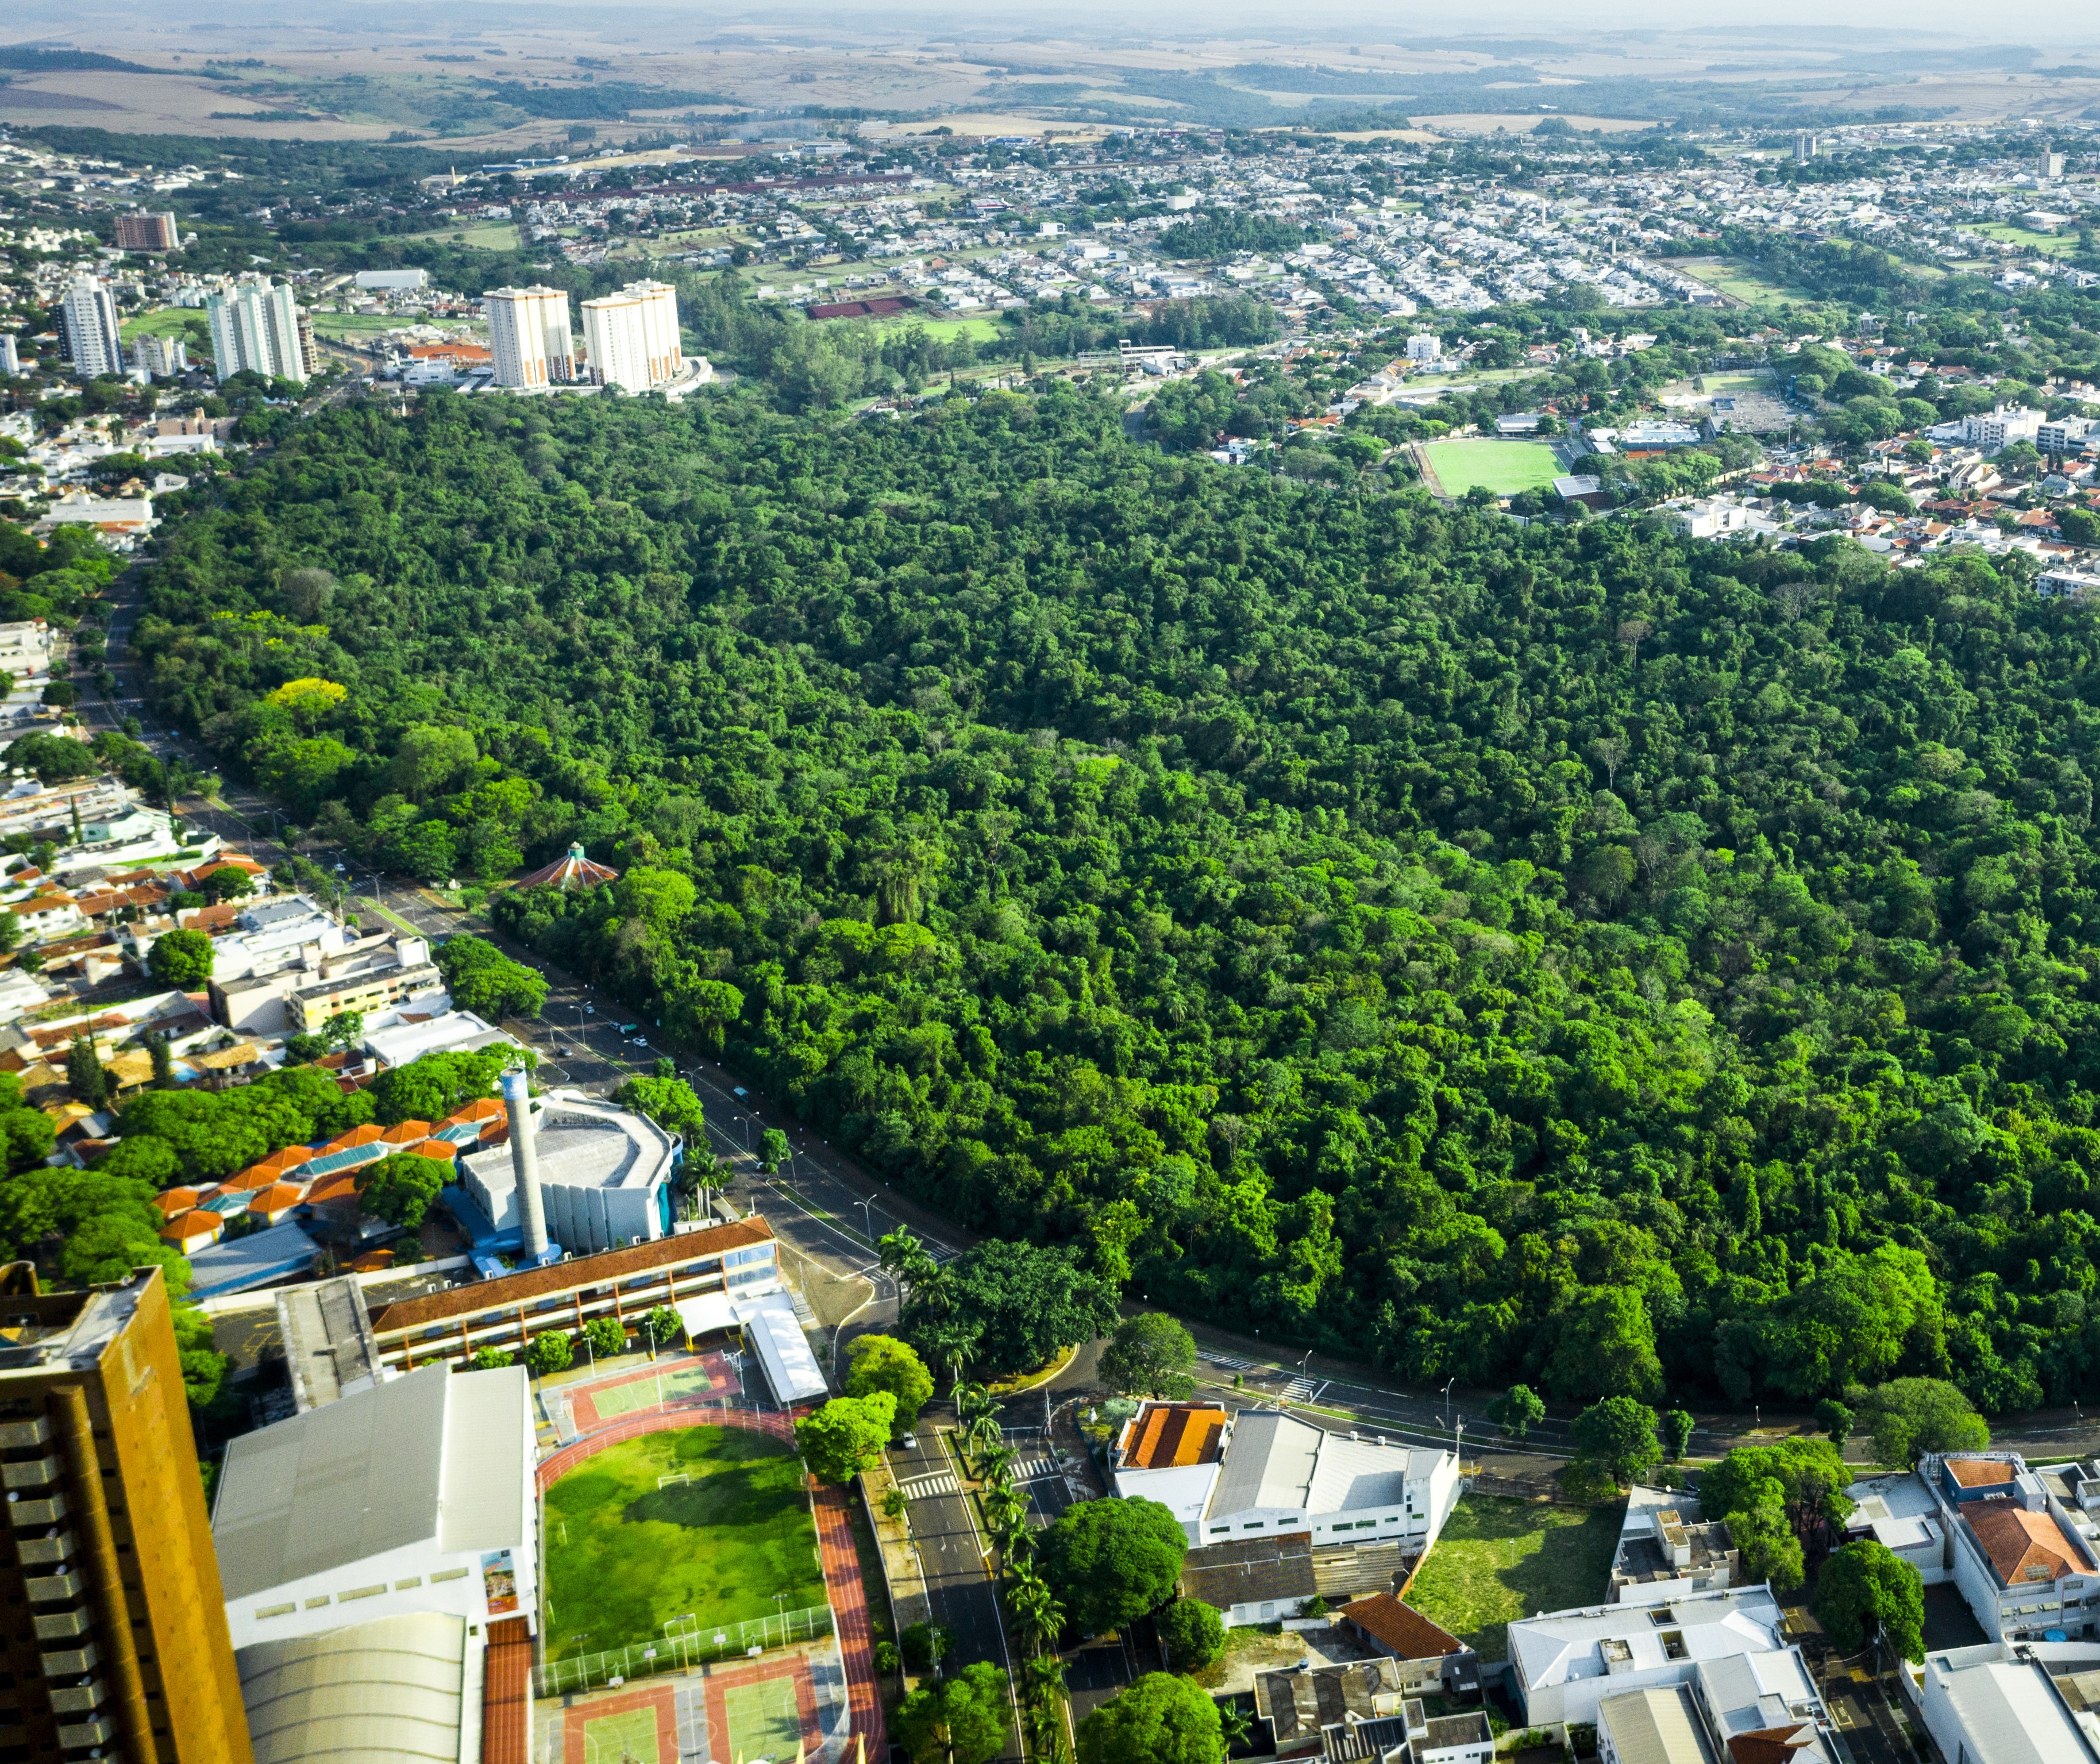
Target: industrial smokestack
{"x": 525, "y": 1162}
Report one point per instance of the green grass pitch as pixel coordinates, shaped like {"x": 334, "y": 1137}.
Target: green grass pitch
{"x": 763, "y": 1719}
{"x": 614, "y": 1738}
{"x": 1505, "y": 467}
{"x": 626, "y": 1555}
{"x": 687, "y": 1380}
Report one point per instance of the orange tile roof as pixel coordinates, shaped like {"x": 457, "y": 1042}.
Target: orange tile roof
{"x": 279, "y": 1197}
{"x": 192, "y": 1226}
{"x": 278, "y": 1162}
{"x": 174, "y": 1200}
{"x": 2023, "y": 1547}
{"x": 406, "y": 1133}
{"x": 1400, "y": 1627}
{"x": 255, "y": 1176}
{"x": 366, "y": 1134}
{"x": 336, "y": 1186}
{"x": 440, "y": 1149}
{"x": 1173, "y": 1435}
{"x": 481, "y": 1109}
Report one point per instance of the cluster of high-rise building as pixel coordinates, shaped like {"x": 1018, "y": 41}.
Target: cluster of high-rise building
{"x": 630, "y": 337}
{"x": 256, "y": 327}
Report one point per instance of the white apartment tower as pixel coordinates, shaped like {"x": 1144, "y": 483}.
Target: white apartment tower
{"x": 529, "y": 336}
{"x": 88, "y": 314}
{"x": 163, "y": 357}
{"x": 631, "y": 338}
{"x": 255, "y": 328}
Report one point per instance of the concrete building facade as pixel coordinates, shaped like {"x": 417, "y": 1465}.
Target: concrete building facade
{"x": 530, "y": 339}
{"x": 631, "y": 338}
{"x": 117, "y": 1640}
{"x": 88, "y": 328}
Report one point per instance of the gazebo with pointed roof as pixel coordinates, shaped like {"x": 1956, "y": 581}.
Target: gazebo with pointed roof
{"x": 574, "y": 871}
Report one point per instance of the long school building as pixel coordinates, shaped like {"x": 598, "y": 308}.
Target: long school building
{"x": 625, "y": 1285}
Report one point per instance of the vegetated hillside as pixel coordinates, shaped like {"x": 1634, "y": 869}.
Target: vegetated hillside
{"x": 1564, "y": 954}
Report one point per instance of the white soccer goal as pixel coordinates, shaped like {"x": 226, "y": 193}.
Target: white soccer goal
{"x": 676, "y": 1475}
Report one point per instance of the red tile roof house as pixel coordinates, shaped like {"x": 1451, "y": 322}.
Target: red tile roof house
{"x": 1431, "y": 1659}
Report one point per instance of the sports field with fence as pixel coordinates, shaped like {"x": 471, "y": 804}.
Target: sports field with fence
{"x": 696, "y": 1529}
{"x": 1504, "y": 467}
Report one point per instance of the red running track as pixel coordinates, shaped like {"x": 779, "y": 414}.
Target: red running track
{"x": 835, "y": 1545}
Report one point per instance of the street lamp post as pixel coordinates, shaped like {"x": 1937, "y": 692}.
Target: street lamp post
{"x": 867, "y": 1216}
{"x": 1445, "y": 1401}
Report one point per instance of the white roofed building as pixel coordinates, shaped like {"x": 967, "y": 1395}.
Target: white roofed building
{"x": 1998, "y": 1704}
{"x": 605, "y": 1175}
{"x": 414, "y": 1495}
{"x": 1565, "y": 1661}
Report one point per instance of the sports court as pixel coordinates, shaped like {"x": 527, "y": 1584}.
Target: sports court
{"x": 765, "y": 1708}
{"x": 636, "y": 1726}
{"x": 683, "y": 1381}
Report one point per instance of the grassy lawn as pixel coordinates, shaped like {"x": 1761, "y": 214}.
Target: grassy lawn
{"x": 1497, "y": 1560}
{"x": 625, "y": 1555}
{"x": 488, "y": 235}
{"x": 167, "y": 321}
{"x": 2052, "y": 245}
{"x": 1505, "y": 467}
{"x": 1731, "y": 275}
{"x": 977, "y": 330}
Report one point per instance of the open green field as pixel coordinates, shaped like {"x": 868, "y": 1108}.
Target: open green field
{"x": 626, "y": 1552}
{"x": 1505, "y": 467}
{"x": 1744, "y": 281}
{"x": 977, "y": 330}
{"x": 169, "y": 321}
{"x": 1498, "y": 1560}
{"x": 487, "y": 236}
{"x": 2048, "y": 245}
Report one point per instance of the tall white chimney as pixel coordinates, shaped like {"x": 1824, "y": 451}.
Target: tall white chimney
{"x": 525, "y": 1162}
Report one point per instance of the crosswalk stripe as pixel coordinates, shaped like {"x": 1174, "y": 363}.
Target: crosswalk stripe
{"x": 920, "y": 1486}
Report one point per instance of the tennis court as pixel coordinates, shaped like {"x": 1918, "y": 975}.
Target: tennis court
{"x": 765, "y": 1719}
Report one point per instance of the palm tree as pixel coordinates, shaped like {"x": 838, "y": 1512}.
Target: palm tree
{"x": 1233, "y": 1724}
{"x": 981, "y": 1435}
{"x": 972, "y": 1401}
{"x": 997, "y": 1465}
{"x": 1003, "y": 1506}
{"x": 1014, "y": 1539}
{"x": 1036, "y": 1611}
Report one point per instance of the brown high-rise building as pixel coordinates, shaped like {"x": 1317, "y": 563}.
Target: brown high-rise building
{"x": 148, "y": 232}
{"x": 113, "y": 1629}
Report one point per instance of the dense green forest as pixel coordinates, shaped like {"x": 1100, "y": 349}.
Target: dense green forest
{"x": 1558, "y": 953}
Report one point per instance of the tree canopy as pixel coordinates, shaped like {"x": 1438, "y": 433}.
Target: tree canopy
{"x": 1160, "y": 1719}
{"x": 1908, "y": 1418}
{"x": 1111, "y": 1561}
{"x": 1443, "y": 935}
{"x": 1149, "y": 1354}
{"x": 1865, "y": 1589}
{"x": 883, "y": 1363}
{"x": 846, "y": 1436}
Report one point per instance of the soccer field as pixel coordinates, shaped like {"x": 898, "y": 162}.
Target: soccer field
{"x": 1505, "y": 467}
{"x": 629, "y": 1549}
